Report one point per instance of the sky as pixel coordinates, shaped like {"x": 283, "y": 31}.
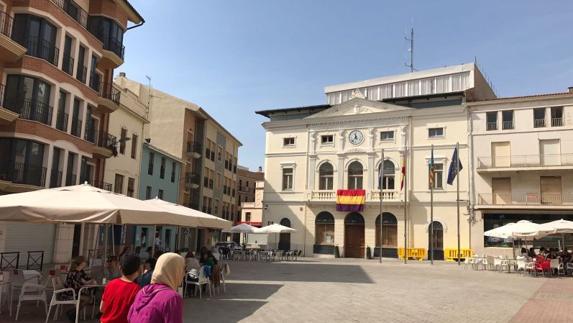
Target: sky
{"x": 235, "y": 57}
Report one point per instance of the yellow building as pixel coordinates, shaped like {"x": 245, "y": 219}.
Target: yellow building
{"x": 313, "y": 151}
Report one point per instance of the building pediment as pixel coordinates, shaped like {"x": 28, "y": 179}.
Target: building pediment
{"x": 357, "y": 106}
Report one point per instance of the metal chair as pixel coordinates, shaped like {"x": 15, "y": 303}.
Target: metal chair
{"x": 35, "y": 260}
{"x": 9, "y": 260}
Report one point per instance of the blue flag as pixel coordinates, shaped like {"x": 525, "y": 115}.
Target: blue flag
{"x": 453, "y": 170}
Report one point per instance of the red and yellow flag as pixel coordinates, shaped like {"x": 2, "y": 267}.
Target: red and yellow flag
{"x": 350, "y": 200}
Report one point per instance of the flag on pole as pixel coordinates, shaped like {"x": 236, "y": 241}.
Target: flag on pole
{"x": 431, "y": 172}
{"x": 453, "y": 171}
{"x": 403, "y": 171}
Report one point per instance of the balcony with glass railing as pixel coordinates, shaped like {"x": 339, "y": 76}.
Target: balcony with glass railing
{"x": 525, "y": 162}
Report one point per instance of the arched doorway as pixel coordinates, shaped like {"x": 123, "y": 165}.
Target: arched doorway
{"x": 436, "y": 239}
{"x": 284, "y": 238}
{"x": 389, "y": 236}
{"x": 354, "y": 236}
{"x": 324, "y": 234}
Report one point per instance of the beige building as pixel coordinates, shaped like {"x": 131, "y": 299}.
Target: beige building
{"x": 247, "y": 188}
{"x": 209, "y": 152}
{"x": 523, "y": 161}
{"x": 252, "y": 212}
{"x": 313, "y": 151}
{"x": 127, "y": 125}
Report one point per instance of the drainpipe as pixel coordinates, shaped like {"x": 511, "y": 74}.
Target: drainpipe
{"x": 135, "y": 26}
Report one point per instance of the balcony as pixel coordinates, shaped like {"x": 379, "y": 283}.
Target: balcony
{"x": 82, "y": 74}
{"x": 525, "y": 162}
{"x": 68, "y": 64}
{"x": 113, "y": 53}
{"x": 10, "y": 50}
{"x": 31, "y": 109}
{"x": 195, "y": 150}
{"x": 521, "y": 200}
{"x": 491, "y": 126}
{"x": 538, "y": 123}
{"x": 41, "y": 48}
{"x": 22, "y": 177}
{"x": 108, "y": 99}
{"x": 62, "y": 121}
{"x": 557, "y": 122}
{"x": 6, "y": 115}
{"x": 371, "y": 196}
{"x": 507, "y": 125}
{"x": 73, "y": 10}
{"x": 105, "y": 145}
{"x": 77, "y": 127}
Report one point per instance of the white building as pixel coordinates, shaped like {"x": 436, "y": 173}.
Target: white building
{"x": 523, "y": 161}
{"x": 313, "y": 151}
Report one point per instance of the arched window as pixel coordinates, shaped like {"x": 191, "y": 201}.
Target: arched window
{"x": 324, "y": 229}
{"x": 325, "y": 176}
{"x": 388, "y": 178}
{"x": 389, "y": 231}
{"x": 355, "y": 173}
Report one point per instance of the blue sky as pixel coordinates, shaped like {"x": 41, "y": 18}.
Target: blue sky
{"x": 235, "y": 57}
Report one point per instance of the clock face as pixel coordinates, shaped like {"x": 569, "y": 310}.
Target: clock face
{"x": 356, "y": 137}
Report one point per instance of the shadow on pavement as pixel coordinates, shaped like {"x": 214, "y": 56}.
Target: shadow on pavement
{"x": 302, "y": 272}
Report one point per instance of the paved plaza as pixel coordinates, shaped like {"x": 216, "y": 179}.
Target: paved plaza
{"x": 346, "y": 290}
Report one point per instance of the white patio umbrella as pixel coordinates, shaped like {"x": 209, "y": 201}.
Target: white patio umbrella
{"x": 82, "y": 204}
{"x": 502, "y": 232}
{"x": 193, "y": 217}
{"x": 275, "y": 228}
{"x": 559, "y": 226}
{"x": 242, "y": 228}
{"x": 525, "y": 230}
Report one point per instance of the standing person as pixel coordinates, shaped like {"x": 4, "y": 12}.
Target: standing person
{"x": 159, "y": 302}
{"x": 120, "y": 293}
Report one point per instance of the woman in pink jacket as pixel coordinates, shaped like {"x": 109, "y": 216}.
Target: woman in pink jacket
{"x": 159, "y": 302}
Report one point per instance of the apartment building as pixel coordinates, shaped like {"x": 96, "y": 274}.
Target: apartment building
{"x": 252, "y": 211}
{"x": 523, "y": 161}
{"x": 313, "y": 151}
{"x": 207, "y": 151}
{"x": 56, "y": 61}
{"x": 246, "y": 187}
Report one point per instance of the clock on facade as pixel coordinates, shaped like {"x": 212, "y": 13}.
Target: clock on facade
{"x": 356, "y": 137}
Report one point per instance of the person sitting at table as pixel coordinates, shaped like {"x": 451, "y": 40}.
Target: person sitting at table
{"x": 532, "y": 254}
{"x": 149, "y": 266}
{"x": 524, "y": 252}
{"x": 76, "y": 278}
{"x": 191, "y": 262}
{"x": 146, "y": 254}
{"x": 111, "y": 270}
{"x": 120, "y": 293}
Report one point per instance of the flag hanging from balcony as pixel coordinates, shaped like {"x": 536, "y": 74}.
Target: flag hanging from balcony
{"x": 350, "y": 200}
{"x": 453, "y": 171}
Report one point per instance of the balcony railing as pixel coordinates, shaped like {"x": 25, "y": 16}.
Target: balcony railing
{"x": 22, "y": 173}
{"x": 6, "y": 22}
{"x": 111, "y": 93}
{"x": 41, "y": 48}
{"x": 74, "y": 11}
{"x": 77, "y": 128}
{"x": 492, "y": 126}
{"x": 90, "y": 135}
{"x": 521, "y": 161}
{"x": 539, "y": 123}
{"x": 557, "y": 122}
{"x": 386, "y": 195}
{"x": 507, "y": 125}
{"x": 68, "y": 64}
{"x": 106, "y": 140}
{"x": 95, "y": 82}
{"x": 31, "y": 109}
{"x": 62, "y": 121}
{"x": 323, "y": 195}
{"x": 195, "y": 150}
{"x": 82, "y": 74}
{"x": 530, "y": 199}
{"x": 55, "y": 178}
{"x": 115, "y": 46}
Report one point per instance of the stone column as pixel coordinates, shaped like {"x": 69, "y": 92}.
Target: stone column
{"x": 311, "y": 172}
{"x": 372, "y": 173}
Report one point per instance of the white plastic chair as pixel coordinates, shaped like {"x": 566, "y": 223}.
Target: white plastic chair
{"x": 556, "y": 266}
{"x": 520, "y": 262}
{"x": 203, "y": 280}
{"x": 32, "y": 292}
{"x": 58, "y": 290}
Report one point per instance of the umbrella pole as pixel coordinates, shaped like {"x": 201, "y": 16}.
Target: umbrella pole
{"x": 153, "y": 244}
{"x": 105, "y": 242}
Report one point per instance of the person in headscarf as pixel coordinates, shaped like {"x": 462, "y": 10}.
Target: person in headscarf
{"x": 160, "y": 302}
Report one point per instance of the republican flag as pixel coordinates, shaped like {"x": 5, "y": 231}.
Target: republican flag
{"x": 350, "y": 200}
{"x": 454, "y": 170}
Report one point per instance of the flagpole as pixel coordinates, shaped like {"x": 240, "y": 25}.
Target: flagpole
{"x": 458, "y": 195}
{"x": 405, "y": 212}
{"x": 432, "y": 208}
{"x": 380, "y": 179}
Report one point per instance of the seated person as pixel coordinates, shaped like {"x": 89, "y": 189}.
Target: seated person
{"x": 111, "y": 270}
{"x": 76, "y": 278}
{"x": 148, "y": 268}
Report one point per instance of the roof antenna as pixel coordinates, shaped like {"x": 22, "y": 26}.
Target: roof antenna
{"x": 411, "y": 50}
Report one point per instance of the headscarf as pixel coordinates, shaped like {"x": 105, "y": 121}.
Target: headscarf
{"x": 169, "y": 270}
